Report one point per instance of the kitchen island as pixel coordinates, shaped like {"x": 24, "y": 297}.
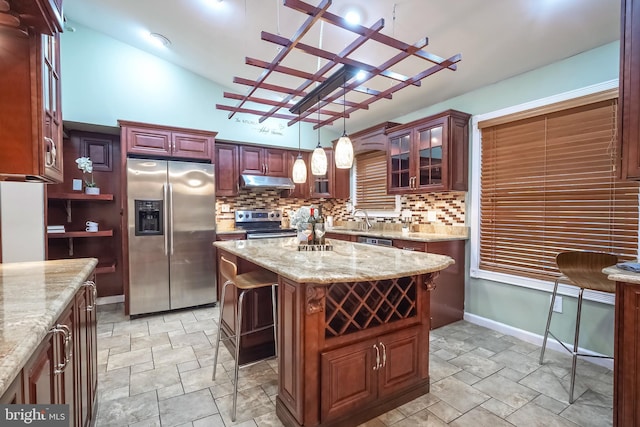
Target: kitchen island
{"x": 353, "y": 325}
{"x": 48, "y": 350}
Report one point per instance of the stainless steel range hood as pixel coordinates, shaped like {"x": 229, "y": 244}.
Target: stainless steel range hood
{"x": 267, "y": 182}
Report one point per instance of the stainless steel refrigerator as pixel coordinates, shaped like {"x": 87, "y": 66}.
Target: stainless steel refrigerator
{"x": 171, "y": 229}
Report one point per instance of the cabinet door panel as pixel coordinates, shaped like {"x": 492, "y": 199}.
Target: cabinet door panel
{"x": 146, "y": 141}
{"x": 348, "y": 379}
{"x": 432, "y": 156}
{"x": 51, "y": 108}
{"x": 275, "y": 162}
{"x": 192, "y": 146}
{"x": 251, "y": 160}
{"x": 401, "y": 356}
{"x": 227, "y": 175}
{"x": 302, "y": 190}
{"x": 39, "y": 378}
{"x": 399, "y": 162}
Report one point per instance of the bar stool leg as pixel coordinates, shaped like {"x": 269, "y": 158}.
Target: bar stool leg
{"x": 275, "y": 317}
{"x": 237, "y": 366}
{"x": 574, "y": 354}
{"x": 546, "y": 331}
{"x": 218, "y": 339}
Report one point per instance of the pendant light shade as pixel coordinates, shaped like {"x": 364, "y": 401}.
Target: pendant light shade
{"x": 319, "y": 161}
{"x": 344, "y": 152}
{"x": 344, "y": 148}
{"x": 319, "y": 157}
{"x": 299, "y": 173}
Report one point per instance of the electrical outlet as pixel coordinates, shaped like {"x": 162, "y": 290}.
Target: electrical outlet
{"x": 432, "y": 216}
{"x": 557, "y": 304}
{"x": 225, "y": 208}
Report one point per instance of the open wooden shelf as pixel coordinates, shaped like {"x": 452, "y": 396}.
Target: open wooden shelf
{"x": 102, "y": 233}
{"x": 80, "y": 196}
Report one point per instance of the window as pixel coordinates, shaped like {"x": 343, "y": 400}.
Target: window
{"x": 371, "y": 182}
{"x": 548, "y": 184}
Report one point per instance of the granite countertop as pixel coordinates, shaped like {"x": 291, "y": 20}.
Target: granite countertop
{"x": 418, "y": 236}
{"x": 32, "y": 297}
{"x": 620, "y": 275}
{"x": 347, "y": 262}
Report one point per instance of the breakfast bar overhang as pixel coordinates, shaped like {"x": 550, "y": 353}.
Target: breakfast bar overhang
{"x": 353, "y": 326}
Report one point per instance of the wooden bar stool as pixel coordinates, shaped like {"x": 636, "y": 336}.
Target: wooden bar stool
{"x": 582, "y": 269}
{"x": 244, "y": 283}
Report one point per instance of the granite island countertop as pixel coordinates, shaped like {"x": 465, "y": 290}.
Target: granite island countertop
{"x": 620, "y": 275}
{"x": 347, "y": 262}
{"x": 32, "y": 297}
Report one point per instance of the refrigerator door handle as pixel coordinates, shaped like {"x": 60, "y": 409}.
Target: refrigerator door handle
{"x": 166, "y": 220}
{"x": 171, "y": 216}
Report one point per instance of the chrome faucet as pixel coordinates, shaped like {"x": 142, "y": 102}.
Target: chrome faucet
{"x": 366, "y": 217}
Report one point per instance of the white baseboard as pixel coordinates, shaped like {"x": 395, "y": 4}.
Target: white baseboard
{"x": 532, "y": 338}
{"x": 113, "y": 299}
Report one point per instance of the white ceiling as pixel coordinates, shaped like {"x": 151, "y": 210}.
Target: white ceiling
{"x": 496, "y": 38}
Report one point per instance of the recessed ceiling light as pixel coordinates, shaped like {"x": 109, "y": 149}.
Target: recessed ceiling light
{"x": 352, "y": 17}
{"x": 159, "y": 40}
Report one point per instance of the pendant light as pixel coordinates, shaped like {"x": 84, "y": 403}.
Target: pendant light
{"x": 299, "y": 167}
{"x": 319, "y": 157}
{"x": 344, "y": 148}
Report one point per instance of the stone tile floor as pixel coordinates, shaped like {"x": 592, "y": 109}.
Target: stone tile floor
{"x": 156, "y": 371}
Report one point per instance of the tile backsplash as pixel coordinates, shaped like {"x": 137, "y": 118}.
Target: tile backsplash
{"x": 447, "y": 208}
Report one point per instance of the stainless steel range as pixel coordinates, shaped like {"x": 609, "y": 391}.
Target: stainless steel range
{"x": 262, "y": 224}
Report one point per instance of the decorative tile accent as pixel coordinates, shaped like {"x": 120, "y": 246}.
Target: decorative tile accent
{"x": 449, "y": 206}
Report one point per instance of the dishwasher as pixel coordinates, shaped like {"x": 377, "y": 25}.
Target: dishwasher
{"x": 375, "y": 241}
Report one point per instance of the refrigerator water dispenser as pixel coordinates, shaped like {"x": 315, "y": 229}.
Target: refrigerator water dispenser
{"x": 148, "y": 217}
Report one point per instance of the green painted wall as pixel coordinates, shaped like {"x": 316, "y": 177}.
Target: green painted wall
{"x": 105, "y": 80}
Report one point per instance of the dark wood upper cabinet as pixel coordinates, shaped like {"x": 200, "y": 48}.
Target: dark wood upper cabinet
{"x": 164, "y": 141}
{"x": 629, "y": 95}
{"x": 227, "y": 176}
{"x": 30, "y": 106}
{"x": 430, "y": 154}
{"x": 256, "y": 160}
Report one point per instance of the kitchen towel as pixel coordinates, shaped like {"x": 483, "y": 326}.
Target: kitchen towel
{"x": 629, "y": 266}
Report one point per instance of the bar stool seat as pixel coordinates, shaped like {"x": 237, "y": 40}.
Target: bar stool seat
{"x": 244, "y": 283}
{"x": 584, "y": 270}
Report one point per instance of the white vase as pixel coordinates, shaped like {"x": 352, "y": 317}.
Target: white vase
{"x": 92, "y": 190}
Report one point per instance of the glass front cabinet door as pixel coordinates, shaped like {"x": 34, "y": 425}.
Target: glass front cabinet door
{"x": 429, "y": 154}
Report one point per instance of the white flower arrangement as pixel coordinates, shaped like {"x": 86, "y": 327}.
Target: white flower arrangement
{"x": 86, "y": 166}
{"x": 301, "y": 217}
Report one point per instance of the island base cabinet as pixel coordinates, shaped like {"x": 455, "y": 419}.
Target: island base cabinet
{"x": 341, "y": 367}
{"x": 626, "y": 370}
{"x": 63, "y": 369}
{"x": 357, "y": 375}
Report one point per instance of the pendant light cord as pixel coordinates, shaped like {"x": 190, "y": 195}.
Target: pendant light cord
{"x": 344, "y": 107}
